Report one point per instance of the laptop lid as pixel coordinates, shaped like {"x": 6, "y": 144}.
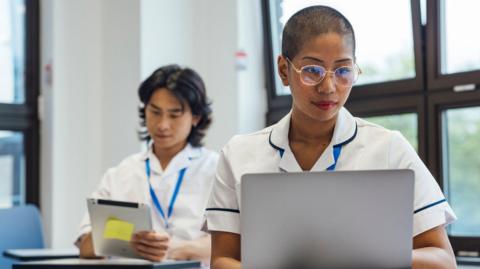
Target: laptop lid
{"x": 41, "y": 254}
{"x": 344, "y": 219}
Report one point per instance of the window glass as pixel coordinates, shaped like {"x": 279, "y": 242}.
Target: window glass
{"x": 12, "y": 169}
{"x": 12, "y": 51}
{"x": 461, "y": 165}
{"x": 423, "y": 11}
{"x": 460, "y": 49}
{"x": 406, "y": 123}
{"x": 383, "y": 54}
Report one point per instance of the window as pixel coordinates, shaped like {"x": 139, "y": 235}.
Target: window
{"x": 421, "y": 75}
{"x": 19, "y": 87}
{"x": 12, "y": 168}
{"x": 461, "y": 169}
{"x": 457, "y": 55}
{"x": 405, "y": 123}
{"x": 12, "y": 51}
{"x": 453, "y": 54}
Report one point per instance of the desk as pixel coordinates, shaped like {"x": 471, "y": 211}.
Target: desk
{"x": 106, "y": 264}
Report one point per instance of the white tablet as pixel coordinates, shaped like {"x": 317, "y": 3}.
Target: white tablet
{"x": 114, "y": 223}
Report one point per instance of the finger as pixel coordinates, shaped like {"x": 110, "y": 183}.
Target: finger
{"x": 149, "y": 250}
{"x": 143, "y": 254}
{"x": 152, "y": 236}
{"x": 153, "y": 258}
{"x": 153, "y": 244}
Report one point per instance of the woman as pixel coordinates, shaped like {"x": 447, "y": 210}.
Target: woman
{"x": 176, "y": 114}
{"x": 318, "y": 64}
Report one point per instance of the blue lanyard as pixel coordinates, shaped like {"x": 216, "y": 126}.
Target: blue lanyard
{"x": 155, "y": 200}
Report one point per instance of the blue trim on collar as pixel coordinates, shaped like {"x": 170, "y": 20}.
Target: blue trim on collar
{"x": 350, "y": 139}
{"x": 279, "y": 149}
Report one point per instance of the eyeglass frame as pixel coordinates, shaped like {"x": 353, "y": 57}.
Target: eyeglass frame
{"x": 299, "y": 72}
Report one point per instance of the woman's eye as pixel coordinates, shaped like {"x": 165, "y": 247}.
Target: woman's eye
{"x": 317, "y": 70}
{"x": 344, "y": 71}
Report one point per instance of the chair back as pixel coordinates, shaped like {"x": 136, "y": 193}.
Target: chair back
{"x": 20, "y": 228}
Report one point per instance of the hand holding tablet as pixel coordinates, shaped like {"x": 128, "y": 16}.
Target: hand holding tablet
{"x": 115, "y": 224}
{"x": 151, "y": 245}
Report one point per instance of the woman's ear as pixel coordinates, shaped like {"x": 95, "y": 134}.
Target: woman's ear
{"x": 283, "y": 69}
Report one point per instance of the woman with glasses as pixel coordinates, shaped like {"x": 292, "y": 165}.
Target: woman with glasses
{"x": 319, "y": 134}
{"x": 174, "y": 175}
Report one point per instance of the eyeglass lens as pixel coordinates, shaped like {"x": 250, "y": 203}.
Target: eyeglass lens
{"x": 313, "y": 74}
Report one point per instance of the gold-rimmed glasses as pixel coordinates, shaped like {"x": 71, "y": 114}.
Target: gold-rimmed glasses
{"x": 312, "y": 75}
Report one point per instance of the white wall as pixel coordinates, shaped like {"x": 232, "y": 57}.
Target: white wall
{"x": 89, "y": 119}
{"x": 205, "y": 37}
{"x": 100, "y": 51}
{"x": 121, "y": 76}
{"x": 252, "y": 93}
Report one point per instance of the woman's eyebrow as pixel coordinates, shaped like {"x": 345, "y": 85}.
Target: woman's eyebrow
{"x": 344, "y": 60}
{"x": 321, "y": 61}
{"x": 312, "y": 58}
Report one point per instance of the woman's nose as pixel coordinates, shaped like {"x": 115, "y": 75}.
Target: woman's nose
{"x": 327, "y": 85}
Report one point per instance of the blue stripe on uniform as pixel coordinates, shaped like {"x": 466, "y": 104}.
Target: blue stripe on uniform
{"x": 223, "y": 209}
{"x": 430, "y": 205}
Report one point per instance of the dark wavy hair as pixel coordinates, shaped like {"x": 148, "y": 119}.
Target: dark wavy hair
{"x": 311, "y": 22}
{"x": 188, "y": 87}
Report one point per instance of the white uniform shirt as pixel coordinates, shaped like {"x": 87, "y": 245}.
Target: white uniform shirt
{"x": 128, "y": 182}
{"x": 366, "y": 146}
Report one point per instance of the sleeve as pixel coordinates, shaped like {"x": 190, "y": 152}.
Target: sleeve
{"x": 430, "y": 206}
{"x": 223, "y": 211}
{"x": 101, "y": 192}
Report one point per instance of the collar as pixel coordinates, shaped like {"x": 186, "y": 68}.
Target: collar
{"x": 344, "y": 132}
{"x": 179, "y": 161}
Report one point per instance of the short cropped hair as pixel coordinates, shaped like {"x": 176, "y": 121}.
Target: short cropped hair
{"x": 311, "y": 22}
{"x": 188, "y": 87}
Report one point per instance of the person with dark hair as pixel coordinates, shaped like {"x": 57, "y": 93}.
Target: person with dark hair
{"x": 174, "y": 175}
{"x": 318, "y": 63}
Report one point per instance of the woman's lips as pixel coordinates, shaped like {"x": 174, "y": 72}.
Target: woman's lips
{"x": 325, "y": 105}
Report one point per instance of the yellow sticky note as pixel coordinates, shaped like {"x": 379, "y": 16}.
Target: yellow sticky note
{"x": 118, "y": 229}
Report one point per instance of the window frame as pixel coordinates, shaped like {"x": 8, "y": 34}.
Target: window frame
{"x": 279, "y": 103}
{"x": 24, "y": 117}
{"x": 275, "y": 102}
{"x": 437, "y": 104}
{"x": 394, "y": 105}
{"x": 436, "y": 80}
{"x": 413, "y": 85}
{"x": 428, "y": 94}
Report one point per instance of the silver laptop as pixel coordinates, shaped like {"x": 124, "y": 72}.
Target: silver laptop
{"x": 342, "y": 219}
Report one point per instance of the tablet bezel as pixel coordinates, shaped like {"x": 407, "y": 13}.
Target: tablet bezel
{"x": 100, "y": 210}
